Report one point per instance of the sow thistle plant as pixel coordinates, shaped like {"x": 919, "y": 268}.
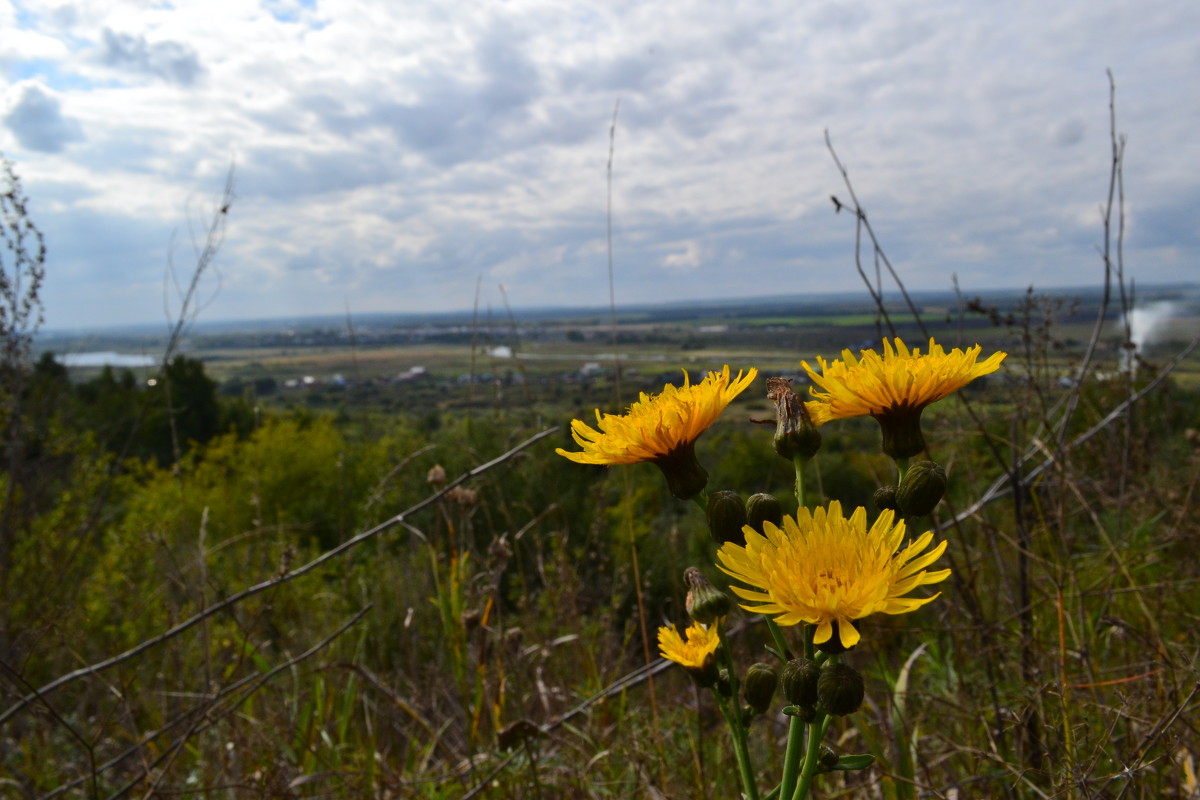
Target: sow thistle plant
{"x": 818, "y": 570}
{"x": 661, "y": 429}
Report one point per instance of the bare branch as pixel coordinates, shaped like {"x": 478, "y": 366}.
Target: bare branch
{"x": 879, "y": 256}
{"x": 608, "y": 215}
{"x": 1114, "y": 179}
{"x": 206, "y": 254}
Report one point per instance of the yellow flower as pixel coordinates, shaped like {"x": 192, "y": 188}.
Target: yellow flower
{"x": 698, "y": 654}
{"x": 893, "y": 388}
{"x": 828, "y": 571}
{"x": 662, "y": 429}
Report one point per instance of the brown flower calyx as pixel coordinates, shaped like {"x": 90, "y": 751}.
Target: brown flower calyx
{"x": 795, "y": 434}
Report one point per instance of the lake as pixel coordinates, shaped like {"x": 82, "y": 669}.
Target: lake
{"x": 106, "y": 357}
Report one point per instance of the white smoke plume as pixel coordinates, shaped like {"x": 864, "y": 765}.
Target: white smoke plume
{"x": 1148, "y": 322}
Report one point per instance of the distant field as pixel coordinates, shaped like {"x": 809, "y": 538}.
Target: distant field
{"x": 810, "y": 321}
{"x": 650, "y": 344}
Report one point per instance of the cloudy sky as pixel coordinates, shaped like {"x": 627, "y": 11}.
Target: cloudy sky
{"x": 389, "y": 155}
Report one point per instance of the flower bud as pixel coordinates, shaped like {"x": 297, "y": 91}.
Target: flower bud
{"x": 795, "y": 435}
{"x": 463, "y": 497}
{"x": 759, "y": 687}
{"x": 761, "y": 508}
{"x": 799, "y": 681}
{"x": 705, "y": 603}
{"x": 840, "y": 689}
{"x": 885, "y": 498}
{"x": 726, "y": 516}
{"x": 921, "y": 489}
{"x": 471, "y": 619}
{"x": 724, "y": 683}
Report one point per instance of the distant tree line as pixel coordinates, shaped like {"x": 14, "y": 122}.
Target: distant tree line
{"x": 131, "y": 418}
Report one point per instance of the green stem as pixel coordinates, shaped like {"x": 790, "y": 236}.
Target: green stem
{"x": 799, "y": 463}
{"x": 791, "y": 757}
{"x": 733, "y": 718}
{"x": 777, "y": 637}
{"x": 737, "y": 732}
{"x": 816, "y": 731}
{"x": 901, "y": 467}
{"x": 750, "y": 789}
{"x": 796, "y": 729}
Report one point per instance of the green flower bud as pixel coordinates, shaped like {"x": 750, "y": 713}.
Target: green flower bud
{"x": 799, "y": 681}
{"x": 724, "y": 683}
{"x": 921, "y": 489}
{"x": 840, "y": 689}
{"x": 761, "y": 508}
{"x": 885, "y": 498}
{"x": 705, "y": 603}
{"x": 759, "y": 687}
{"x": 726, "y": 517}
{"x": 795, "y": 434}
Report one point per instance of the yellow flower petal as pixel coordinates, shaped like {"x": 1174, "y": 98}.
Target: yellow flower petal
{"x": 657, "y": 425}
{"x": 699, "y": 648}
{"x": 823, "y": 568}
{"x": 848, "y": 634}
{"x": 901, "y": 381}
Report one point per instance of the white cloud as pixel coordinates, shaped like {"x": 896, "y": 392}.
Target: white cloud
{"x": 22, "y": 45}
{"x": 394, "y": 152}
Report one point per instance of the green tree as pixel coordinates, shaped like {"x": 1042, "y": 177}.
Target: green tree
{"x": 183, "y": 408}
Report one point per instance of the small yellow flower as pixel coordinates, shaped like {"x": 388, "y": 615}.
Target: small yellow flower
{"x": 662, "y": 429}
{"x": 827, "y": 570}
{"x": 893, "y": 388}
{"x": 697, "y": 654}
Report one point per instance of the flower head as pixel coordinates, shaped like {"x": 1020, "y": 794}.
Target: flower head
{"x": 893, "y": 388}
{"x": 827, "y": 570}
{"x": 697, "y": 654}
{"x": 662, "y": 429}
